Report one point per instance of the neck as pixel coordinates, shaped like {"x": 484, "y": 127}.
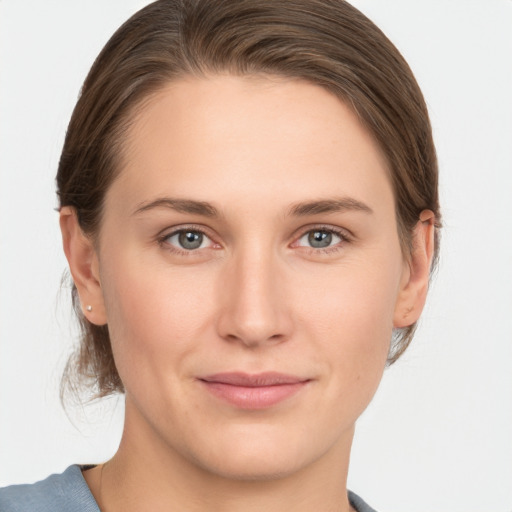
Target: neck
{"x": 147, "y": 474}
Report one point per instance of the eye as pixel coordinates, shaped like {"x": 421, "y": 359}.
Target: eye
{"x": 188, "y": 239}
{"x": 320, "y": 239}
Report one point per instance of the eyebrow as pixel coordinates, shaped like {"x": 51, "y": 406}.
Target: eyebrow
{"x": 302, "y": 209}
{"x": 180, "y": 205}
{"x": 335, "y": 205}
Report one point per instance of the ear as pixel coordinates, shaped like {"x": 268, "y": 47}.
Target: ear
{"x": 416, "y": 274}
{"x": 84, "y": 266}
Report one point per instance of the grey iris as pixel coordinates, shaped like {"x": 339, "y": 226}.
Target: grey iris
{"x": 190, "y": 239}
{"x": 319, "y": 239}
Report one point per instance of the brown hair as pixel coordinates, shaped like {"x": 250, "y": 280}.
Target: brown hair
{"x": 326, "y": 42}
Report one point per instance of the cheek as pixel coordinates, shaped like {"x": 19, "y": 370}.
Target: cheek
{"x": 355, "y": 300}
{"x": 350, "y": 315}
{"x": 154, "y": 313}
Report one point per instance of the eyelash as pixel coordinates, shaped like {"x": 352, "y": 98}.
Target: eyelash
{"x": 342, "y": 234}
{"x": 163, "y": 240}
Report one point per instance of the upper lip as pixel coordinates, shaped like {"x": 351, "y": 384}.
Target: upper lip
{"x": 254, "y": 380}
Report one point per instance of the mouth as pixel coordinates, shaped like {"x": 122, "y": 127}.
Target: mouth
{"x": 253, "y": 391}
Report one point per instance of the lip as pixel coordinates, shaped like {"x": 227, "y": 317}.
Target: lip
{"x": 253, "y": 391}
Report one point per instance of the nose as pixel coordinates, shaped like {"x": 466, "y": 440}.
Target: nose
{"x": 253, "y": 302}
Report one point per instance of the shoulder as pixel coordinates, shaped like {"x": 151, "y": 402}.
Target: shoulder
{"x": 358, "y": 503}
{"x": 67, "y": 492}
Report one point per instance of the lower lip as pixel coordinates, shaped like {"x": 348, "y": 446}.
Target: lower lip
{"x": 261, "y": 397}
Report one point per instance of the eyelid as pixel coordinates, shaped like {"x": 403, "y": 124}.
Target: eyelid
{"x": 342, "y": 232}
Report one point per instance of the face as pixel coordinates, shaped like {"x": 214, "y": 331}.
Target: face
{"x": 251, "y": 273}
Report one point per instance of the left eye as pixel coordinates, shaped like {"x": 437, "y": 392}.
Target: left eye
{"x": 319, "y": 239}
{"x": 188, "y": 239}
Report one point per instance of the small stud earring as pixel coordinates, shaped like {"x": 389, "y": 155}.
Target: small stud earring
{"x": 89, "y": 308}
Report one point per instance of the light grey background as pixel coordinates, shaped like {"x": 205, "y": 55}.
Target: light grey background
{"x": 438, "y": 435}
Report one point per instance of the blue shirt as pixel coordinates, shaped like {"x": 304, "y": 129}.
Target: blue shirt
{"x": 69, "y": 492}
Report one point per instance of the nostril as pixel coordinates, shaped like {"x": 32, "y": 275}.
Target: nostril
{"x": 253, "y": 340}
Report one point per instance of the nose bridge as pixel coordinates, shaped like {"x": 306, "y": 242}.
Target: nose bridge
{"x": 253, "y": 310}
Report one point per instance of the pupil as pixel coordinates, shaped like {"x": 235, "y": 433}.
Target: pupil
{"x": 190, "y": 239}
{"x": 319, "y": 239}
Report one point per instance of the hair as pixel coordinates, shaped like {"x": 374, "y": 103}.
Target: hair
{"x": 325, "y": 42}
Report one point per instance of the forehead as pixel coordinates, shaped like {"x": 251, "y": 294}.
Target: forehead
{"x": 248, "y": 136}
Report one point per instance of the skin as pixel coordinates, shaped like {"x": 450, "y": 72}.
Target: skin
{"x": 254, "y": 297}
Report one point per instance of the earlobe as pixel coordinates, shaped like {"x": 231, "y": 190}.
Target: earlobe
{"x": 414, "y": 285}
{"x": 83, "y": 265}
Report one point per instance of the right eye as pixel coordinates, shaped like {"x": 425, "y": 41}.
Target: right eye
{"x": 188, "y": 240}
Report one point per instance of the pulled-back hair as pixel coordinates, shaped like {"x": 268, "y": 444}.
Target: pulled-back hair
{"x": 326, "y": 42}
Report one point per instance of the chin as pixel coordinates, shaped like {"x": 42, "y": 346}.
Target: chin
{"x": 255, "y": 468}
{"x": 261, "y": 455}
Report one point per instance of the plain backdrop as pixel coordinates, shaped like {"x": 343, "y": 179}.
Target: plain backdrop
{"x": 438, "y": 435}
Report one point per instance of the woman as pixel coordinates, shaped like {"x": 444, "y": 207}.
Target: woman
{"x": 248, "y": 204}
